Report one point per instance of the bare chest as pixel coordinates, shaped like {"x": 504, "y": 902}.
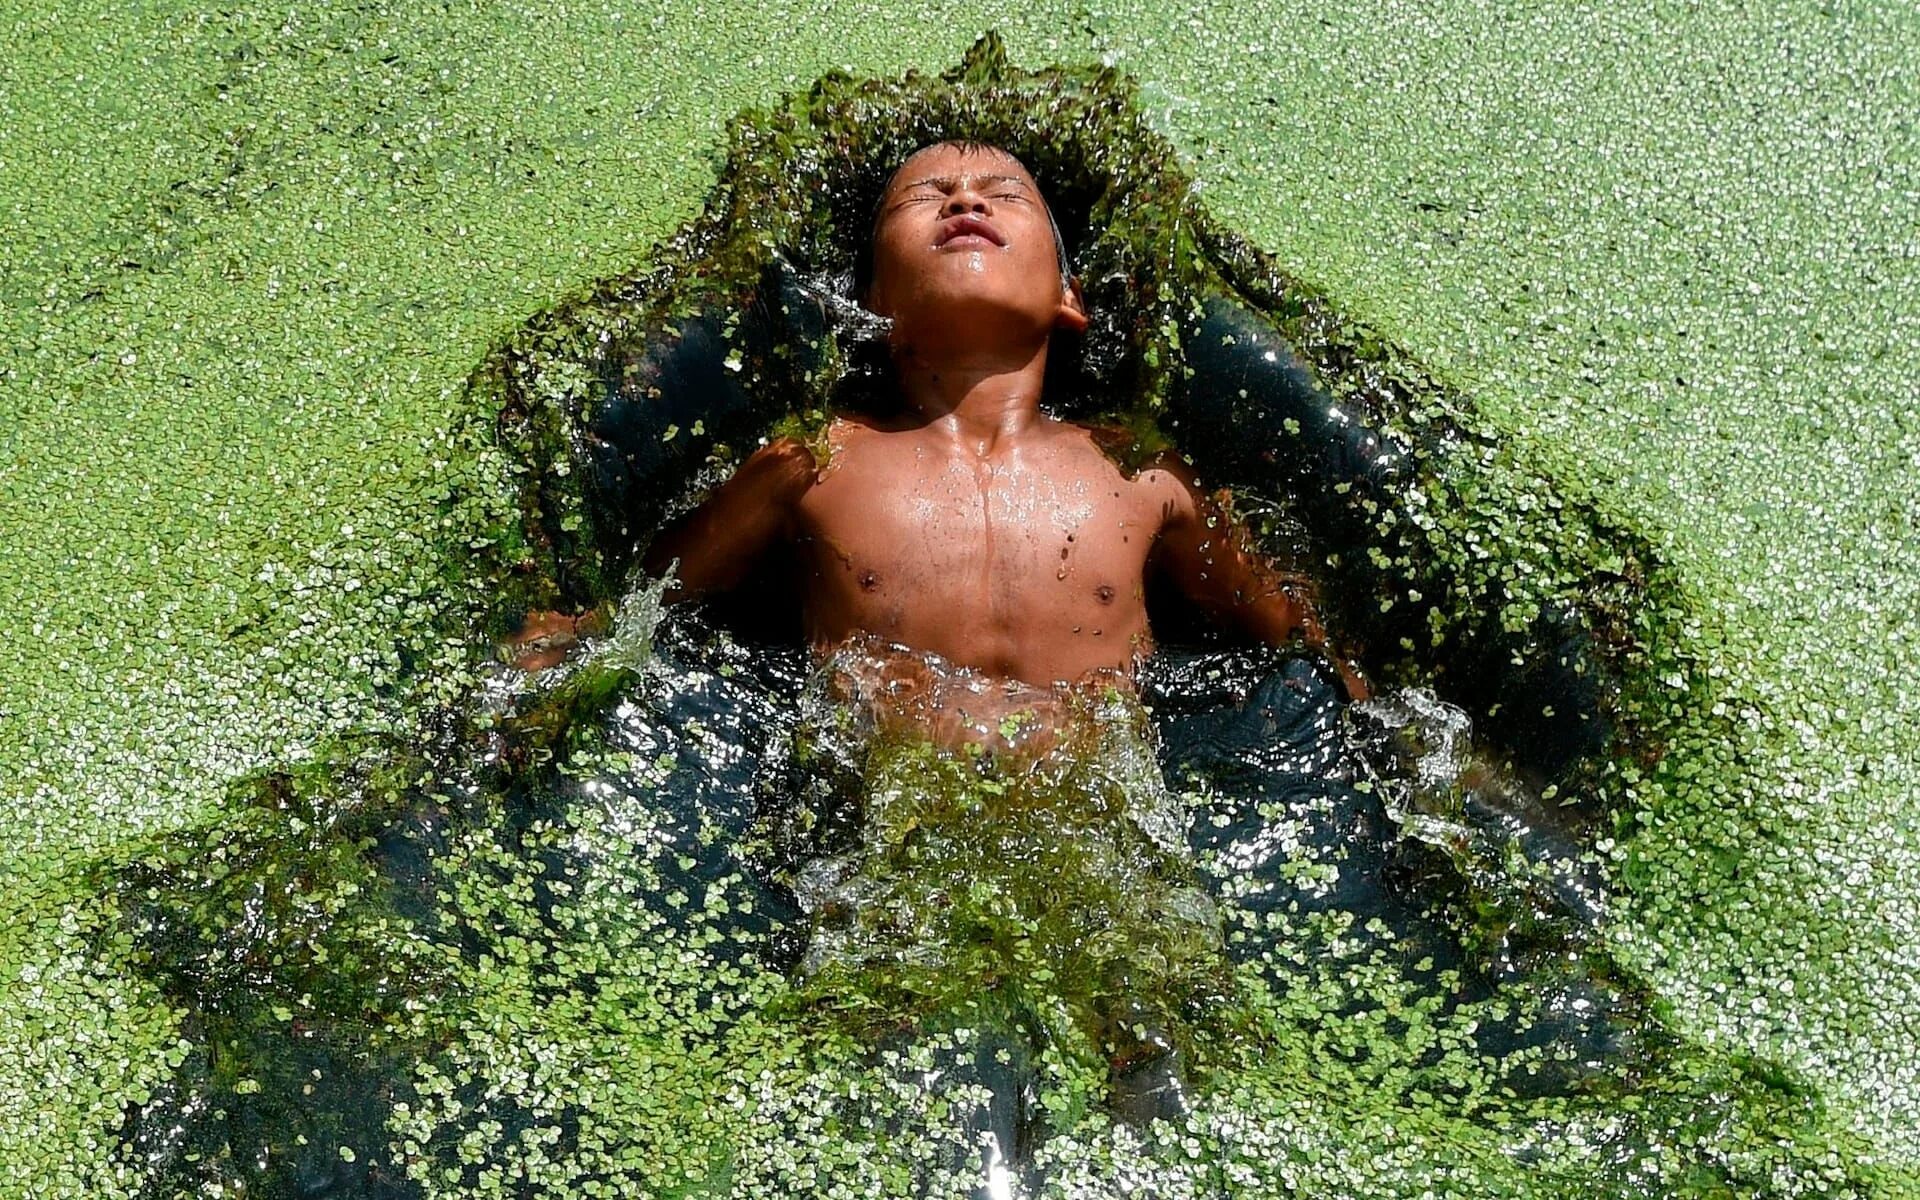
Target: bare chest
{"x": 896, "y": 538}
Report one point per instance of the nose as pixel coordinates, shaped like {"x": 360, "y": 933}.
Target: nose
{"x": 965, "y": 198}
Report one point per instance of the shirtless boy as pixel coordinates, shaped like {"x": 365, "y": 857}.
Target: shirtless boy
{"x": 966, "y": 523}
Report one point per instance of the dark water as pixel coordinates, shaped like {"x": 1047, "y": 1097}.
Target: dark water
{"x": 612, "y": 846}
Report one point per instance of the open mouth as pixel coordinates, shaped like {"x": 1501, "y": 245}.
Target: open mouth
{"x": 968, "y": 231}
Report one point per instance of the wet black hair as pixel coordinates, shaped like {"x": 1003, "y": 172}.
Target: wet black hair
{"x": 863, "y": 256}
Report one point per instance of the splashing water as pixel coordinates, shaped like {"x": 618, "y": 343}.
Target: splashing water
{"x": 715, "y": 922}
{"x": 850, "y": 322}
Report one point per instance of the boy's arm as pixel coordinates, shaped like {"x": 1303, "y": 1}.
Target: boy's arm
{"x": 718, "y": 544}
{"x": 715, "y": 545}
{"x": 1211, "y": 559}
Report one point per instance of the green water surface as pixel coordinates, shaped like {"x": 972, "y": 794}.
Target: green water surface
{"x": 249, "y": 260}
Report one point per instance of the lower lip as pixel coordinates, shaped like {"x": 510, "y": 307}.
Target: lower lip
{"x": 969, "y": 241}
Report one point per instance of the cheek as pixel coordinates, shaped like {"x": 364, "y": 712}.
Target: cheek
{"x": 883, "y": 285}
{"x": 893, "y": 272}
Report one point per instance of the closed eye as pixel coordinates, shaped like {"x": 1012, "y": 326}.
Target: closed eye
{"x": 922, "y": 198}
{"x": 937, "y": 188}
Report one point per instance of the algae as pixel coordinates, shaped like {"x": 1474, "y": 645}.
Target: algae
{"x": 540, "y": 944}
{"x": 1681, "y": 311}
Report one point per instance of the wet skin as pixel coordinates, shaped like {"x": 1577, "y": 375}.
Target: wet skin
{"x": 968, "y": 524}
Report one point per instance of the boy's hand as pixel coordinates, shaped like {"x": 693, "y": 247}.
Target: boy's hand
{"x": 1357, "y": 686}
{"x": 544, "y": 638}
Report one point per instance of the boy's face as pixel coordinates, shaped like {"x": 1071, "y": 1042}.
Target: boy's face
{"x": 963, "y": 235}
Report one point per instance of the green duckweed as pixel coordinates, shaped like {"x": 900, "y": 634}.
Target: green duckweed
{"x": 1674, "y": 313}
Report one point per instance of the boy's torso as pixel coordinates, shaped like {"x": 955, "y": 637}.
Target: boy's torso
{"x": 1027, "y": 562}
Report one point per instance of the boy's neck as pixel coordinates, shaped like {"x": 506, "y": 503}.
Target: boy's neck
{"x": 980, "y": 399}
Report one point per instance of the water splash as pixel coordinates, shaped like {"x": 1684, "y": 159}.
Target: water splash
{"x": 716, "y": 910}
{"x": 848, "y": 321}
{"x": 1436, "y": 735}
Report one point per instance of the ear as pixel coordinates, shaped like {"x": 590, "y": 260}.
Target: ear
{"x": 1072, "y": 314}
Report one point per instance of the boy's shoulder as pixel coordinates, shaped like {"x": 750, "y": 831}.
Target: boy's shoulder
{"x": 1114, "y": 441}
{"x": 1146, "y": 467}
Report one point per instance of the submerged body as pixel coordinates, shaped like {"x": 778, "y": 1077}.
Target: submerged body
{"x": 1047, "y": 884}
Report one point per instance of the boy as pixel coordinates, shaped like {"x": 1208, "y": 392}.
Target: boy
{"x": 967, "y": 524}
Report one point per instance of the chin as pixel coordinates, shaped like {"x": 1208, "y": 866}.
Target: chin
{"x": 974, "y": 297}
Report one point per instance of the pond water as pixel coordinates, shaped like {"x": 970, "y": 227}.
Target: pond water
{"x": 671, "y": 920}
{"x": 657, "y": 919}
